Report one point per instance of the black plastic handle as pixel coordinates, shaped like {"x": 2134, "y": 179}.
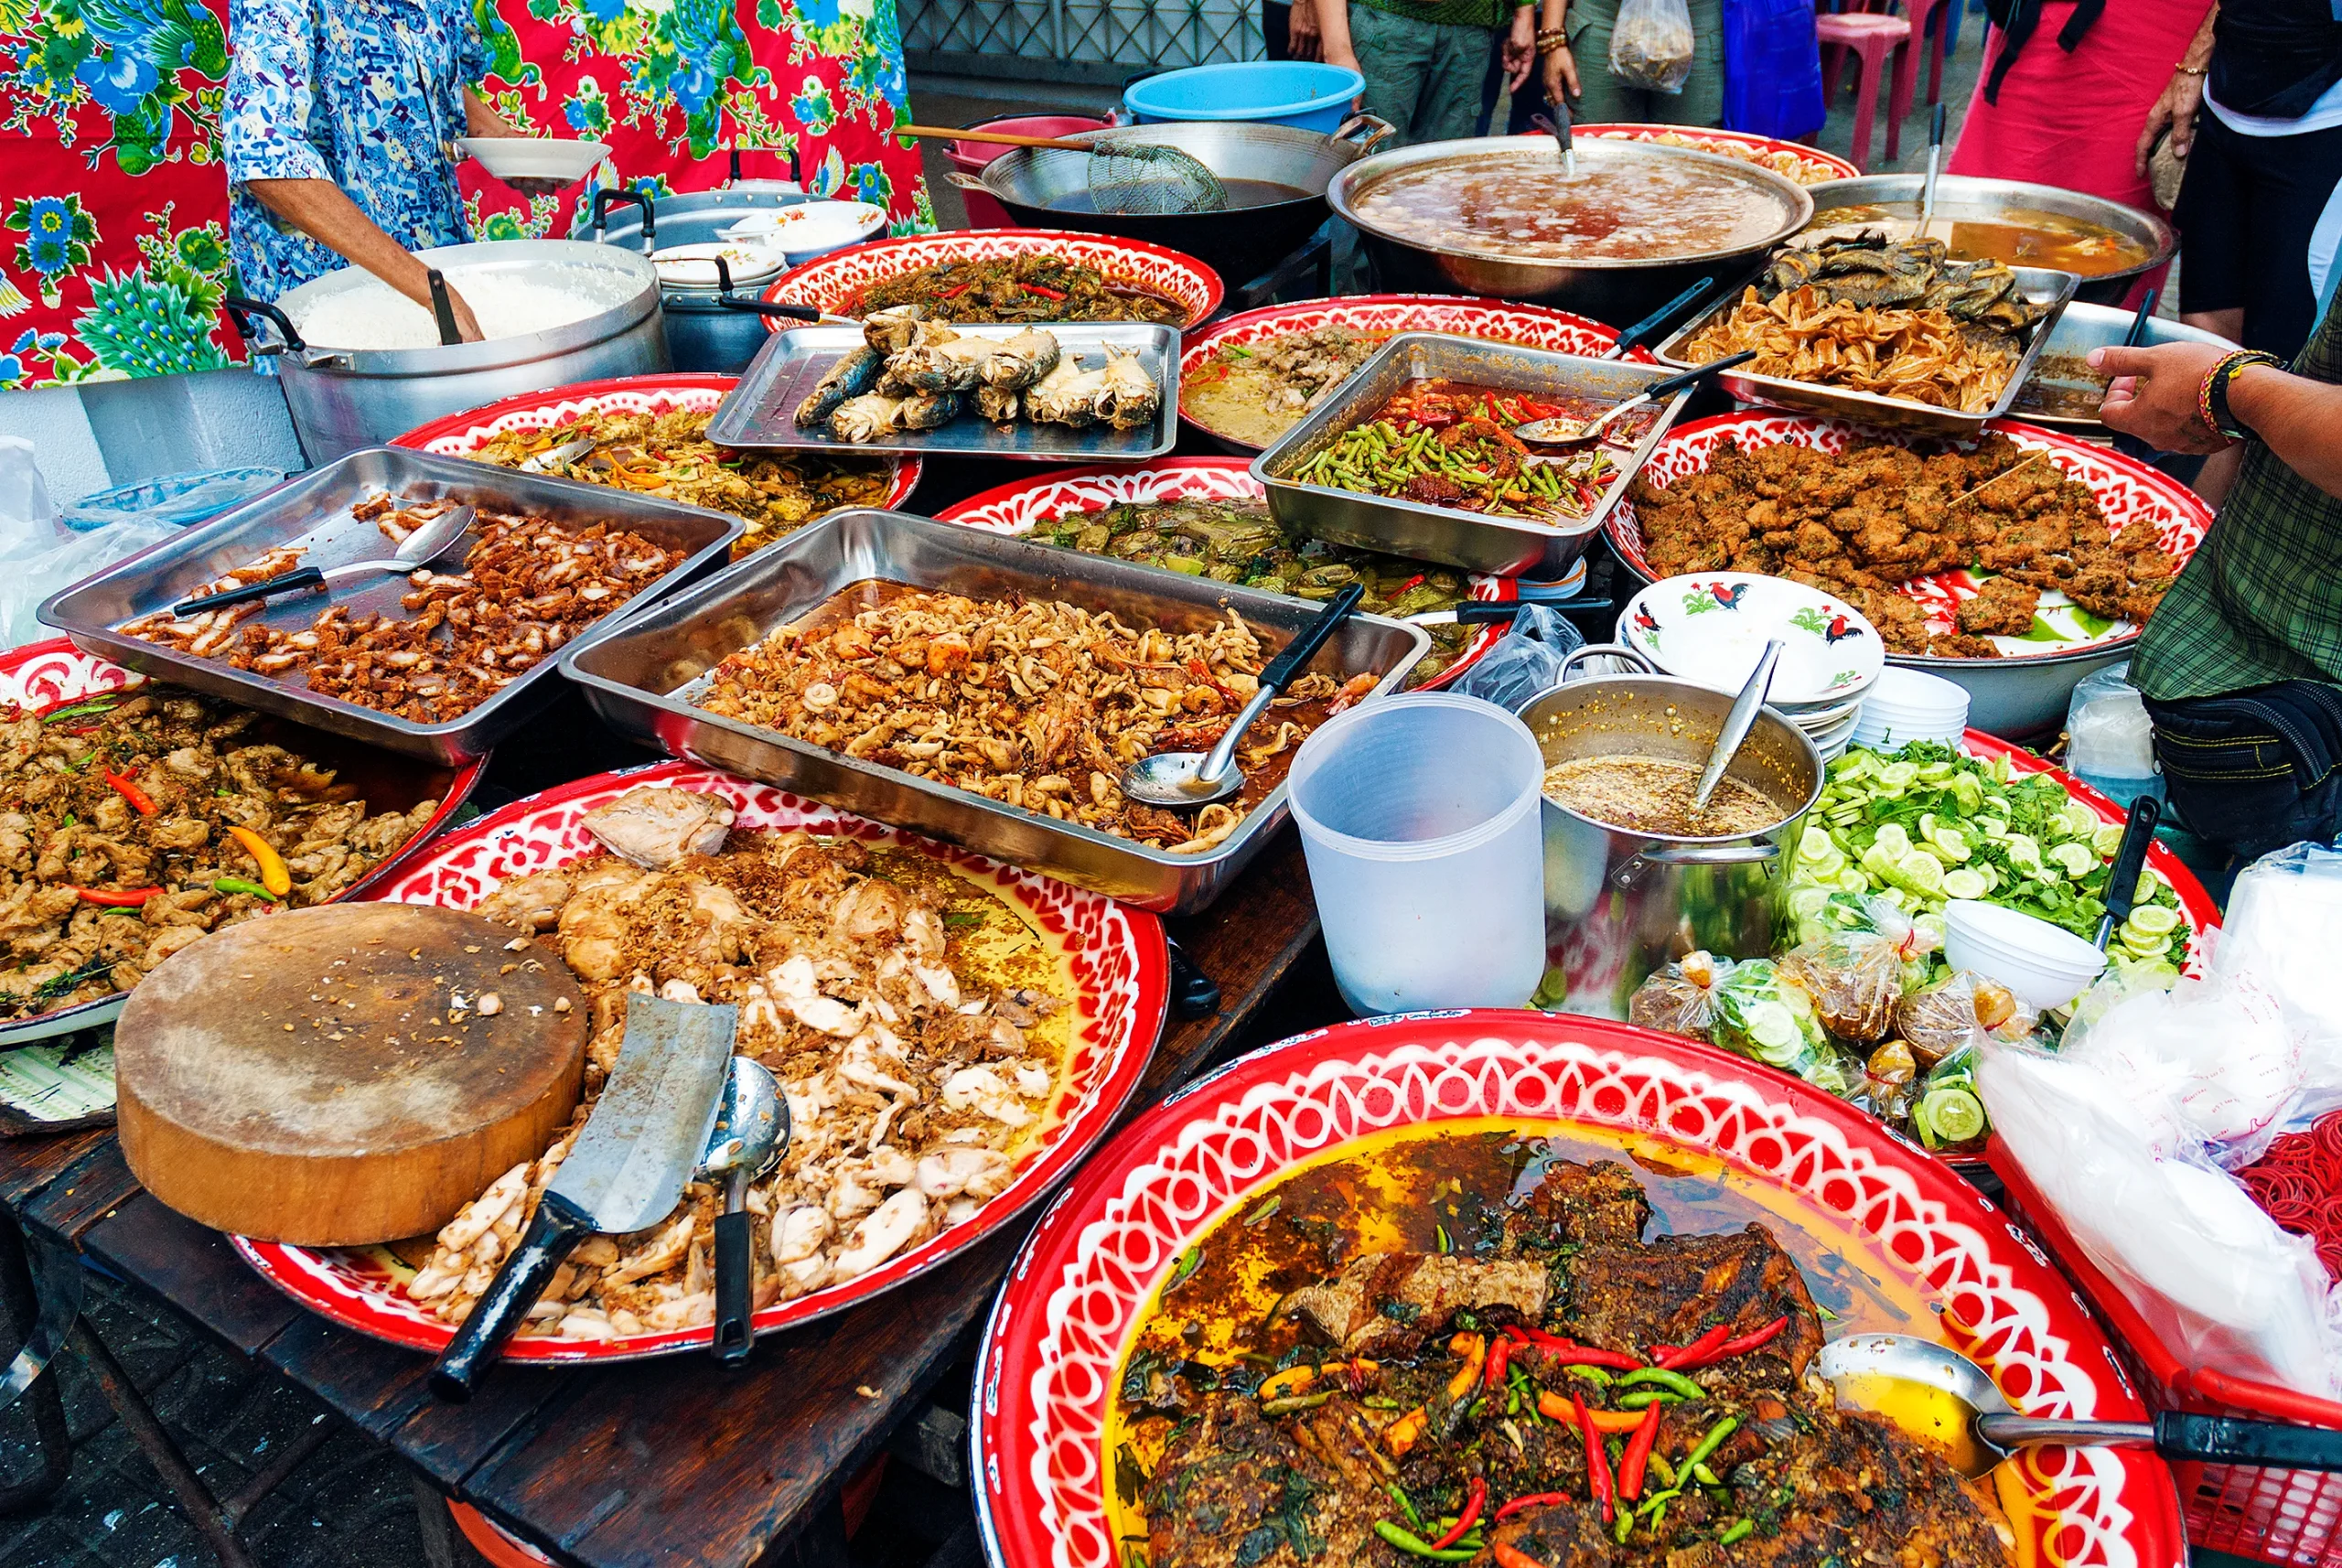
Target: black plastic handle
{"x": 605, "y": 199}
{"x": 768, "y": 308}
{"x": 286, "y": 583}
{"x": 2224, "y": 1440}
{"x": 1304, "y": 647}
{"x": 1499, "y": 612}
{"x": 241, "y": 311}
{"x": 553, "y": 1234}
{"x": 1651, "y": 326}
{"x": 2138, "y": 333}
{"x": 1696, "y": 374}
{"x": 1934, "y": 128}
{"x": 442, "y": 311}
{"x": 735, "y": 1297}
{"x": 1194, "y": 993}
{"x": 2130, "y": 858}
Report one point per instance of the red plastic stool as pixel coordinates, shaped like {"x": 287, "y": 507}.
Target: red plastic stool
{"x": 1872, "y": 36}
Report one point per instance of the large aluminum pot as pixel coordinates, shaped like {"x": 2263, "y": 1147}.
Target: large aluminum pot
{"x": 1615, "y": 291}
{"x": 1964, "y": 197}
{"x": 344, "y": 398}
{"x": 1046, "y": 187}
{"x": 1619, "y": 904}
{"x": 703, "y": 332}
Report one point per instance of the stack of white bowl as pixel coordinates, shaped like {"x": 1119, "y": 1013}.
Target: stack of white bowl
{"x": 1904, "y": 705}
{"x": 2046, "y": 966}
{"x": 1711, "y": 628}
{"x": 1832, "y": 725}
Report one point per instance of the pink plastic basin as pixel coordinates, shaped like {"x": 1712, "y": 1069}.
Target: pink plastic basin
{"x": 969, "y": 158}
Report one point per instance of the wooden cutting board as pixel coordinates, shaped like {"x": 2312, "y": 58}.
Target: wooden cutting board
{"x": 346, "y": 1074}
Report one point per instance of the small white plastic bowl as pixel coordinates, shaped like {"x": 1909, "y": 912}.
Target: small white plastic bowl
{"x": 2046, "y": 966}
{"x": 534, "y": 157}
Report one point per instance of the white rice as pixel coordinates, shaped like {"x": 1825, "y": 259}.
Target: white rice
{"x": 370, "y": 314}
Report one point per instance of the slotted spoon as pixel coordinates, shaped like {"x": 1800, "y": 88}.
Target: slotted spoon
{"x": 1132, "y": 178}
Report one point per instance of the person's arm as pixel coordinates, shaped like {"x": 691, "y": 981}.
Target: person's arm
{"x": 323, "y": 211}
{"x": 2183, "y": 98}
{"x": 2155, "y": 396}
{"x": 1558, "y": 69}
{"x": 1520, "y": 46}
{"x": 1334, "y": 33}
{"x": 1301, "y": 33}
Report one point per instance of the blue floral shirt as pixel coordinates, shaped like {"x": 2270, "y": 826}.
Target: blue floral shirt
{"x": 362, "y": 92}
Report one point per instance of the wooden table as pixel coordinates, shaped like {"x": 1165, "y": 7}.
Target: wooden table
{"x": 665, "y": 1461}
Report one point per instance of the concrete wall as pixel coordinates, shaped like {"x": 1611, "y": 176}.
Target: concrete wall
{"x": 103, "y": 434}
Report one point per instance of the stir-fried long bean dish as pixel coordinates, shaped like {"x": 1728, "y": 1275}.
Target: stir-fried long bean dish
{"x": 1450, "y": 444}
{"x": 133, "y": 823}
{"x": 1030, "y": 287}
{"x": 1494, "y": 1345}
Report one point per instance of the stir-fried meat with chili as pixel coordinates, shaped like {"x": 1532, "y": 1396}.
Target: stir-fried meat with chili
{"x": 1035, "y": 703}
{"x": 1860, "y": 522}
{"x": 669, "y": 454}
{"x": 133, "y": 823}
{"x": 919, "y": 1052}
{"x": 528, "y": 585}
{"x": 1549, "y": 1389}
{"x": 1029, "y": 287}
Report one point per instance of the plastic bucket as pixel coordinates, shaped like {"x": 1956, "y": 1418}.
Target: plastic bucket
{"x": 969, "y": 158}
{"x": 1419, "y": 816}
{"x": 1305, "y": 94}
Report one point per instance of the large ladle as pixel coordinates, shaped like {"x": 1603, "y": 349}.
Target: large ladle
{"x": 1567, "y": 432}
{"x": 1737, "y": 723}
{"x": 750, "y": 1133}
{"x": 1942, "y": 1397}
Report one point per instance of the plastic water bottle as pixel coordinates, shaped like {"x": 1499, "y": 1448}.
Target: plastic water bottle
{"x": 2110, "y": 742}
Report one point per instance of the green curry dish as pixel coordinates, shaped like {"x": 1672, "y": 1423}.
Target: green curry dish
{"x": 1924, "y": 825}
{"x": 1762, "y": 1017}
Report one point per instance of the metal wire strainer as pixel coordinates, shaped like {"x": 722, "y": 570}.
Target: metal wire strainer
{"x": 1126, "y": 176}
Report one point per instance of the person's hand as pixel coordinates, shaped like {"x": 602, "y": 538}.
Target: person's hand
{"x": 1521, "y": 48}
{"x": 533, "y": 188}
{"x": 2153, "y": 394}
{"x": 1302, "y": 40}
{"x": 2183, "y": 98}
{"x": 1561, "y": 75}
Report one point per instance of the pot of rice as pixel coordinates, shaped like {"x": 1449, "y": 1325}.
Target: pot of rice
{"x": 362, "y": 363}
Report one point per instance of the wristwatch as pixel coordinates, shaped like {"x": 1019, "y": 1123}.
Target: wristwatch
{"x": 2214, "y": 403}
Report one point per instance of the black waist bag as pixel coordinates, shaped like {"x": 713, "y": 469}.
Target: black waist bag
{"x": 2255, "y": 770}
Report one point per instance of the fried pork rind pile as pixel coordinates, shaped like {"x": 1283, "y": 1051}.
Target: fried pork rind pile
{"x": 1035, "y": 703}
{"x": 912, "y": 1092}
{"x": 1859, "y": 522}
{"x": 1918, "y": 356}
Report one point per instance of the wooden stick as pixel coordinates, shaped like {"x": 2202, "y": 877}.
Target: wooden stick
{"x": 991, "y": 138}
{"x": 1996, "y": 478}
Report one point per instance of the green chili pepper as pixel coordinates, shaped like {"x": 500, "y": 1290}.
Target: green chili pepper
{"x": 1292, "y": 1404}
{"x": 1595, "y": 1375}
{"x": 1414, "y": 1547}
{"x": 1406, "y": 1504}
{"x": 237, "y": 885}
{"x": 1706, "y": 1476}
{"x": 1665, "y": 1380}
{"x": 1712, "y": 1442}
{"x": 1740, "y": 1530}
{"x": 1661, "y": 1468}
{"x": 1638, "y": 1398}
{"x": 1624, "y": 1527}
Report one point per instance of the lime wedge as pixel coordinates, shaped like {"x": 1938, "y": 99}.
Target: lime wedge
{"x": 1953, "y": 1115}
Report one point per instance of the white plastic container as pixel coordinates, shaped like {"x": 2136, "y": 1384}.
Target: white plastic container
{"x": 1419, "y": 816}
{"x": 2044, "y": 965}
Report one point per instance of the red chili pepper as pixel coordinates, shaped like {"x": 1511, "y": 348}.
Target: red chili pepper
{"x": 1748, "y": 1341}
{"x": 1531, "y": 1500}
{"x": 141, "y": 801}
{"x": 1410, "y": 583}
{"x": 1637, "y": 1455}
{"x": 117, "y": 899}
{"x": 1570, "y": 1353}
{"x": 1044, "y": 292}
{"x": 1499, "y": 1358}
{"x": 1695, "y": 1353}
{"x": 1513, "y": 1557}
{"x": 955, "y": 293}
{"x": 1597, "y": 1461}
{"x": 1475, "y": 1499}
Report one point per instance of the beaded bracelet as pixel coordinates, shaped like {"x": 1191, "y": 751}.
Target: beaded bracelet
{"x": 2216, "y": 384}
{"x": 1550, "y": 38}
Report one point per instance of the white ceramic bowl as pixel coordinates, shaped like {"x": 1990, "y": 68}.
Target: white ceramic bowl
{"x": 534, "y": 157}
{"x": 810, "y": 229}
{"x": 694, "y": 265}
{"x": 2044, "y": 965}
{"x": 1711, "y": 627}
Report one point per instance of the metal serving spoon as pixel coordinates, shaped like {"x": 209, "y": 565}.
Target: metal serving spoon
{"x": 1567, "y": 432}
{"x": 431, "y": 543}
{"x": 1940, "y": 1395}
{"x": 751, "y": 1132}
{"x": 553, "y": 458}
{"x": 1737, "y": 723}
{"x": 1183, "y": 779}
{"x": 1557, "y": 125}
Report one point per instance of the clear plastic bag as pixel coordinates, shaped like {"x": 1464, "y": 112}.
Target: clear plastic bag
{"x": 1958, "y": 1011}
{"x": 36, "y": 562}
{"x": 2283, "y": 927}
{"x": 1763, "y": 1014}
{"x": 2208, "y": 1061}
{"x": 1679, "y": 999}
{"x": 1855, "y": 978}
{"x": 1525, "y": 663}
{"x": 1651, "y": 45}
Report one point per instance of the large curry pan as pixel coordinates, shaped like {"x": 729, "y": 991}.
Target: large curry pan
{"x": 1240, "y": 244}
{"x": 1962, "y": 198}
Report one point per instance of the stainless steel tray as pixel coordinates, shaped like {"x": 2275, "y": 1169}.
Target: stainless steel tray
{"x": 641, "y": 679}
{"x": 2084, "y": 327}
{"x": 758, "y": 412}
{"x": 1500, "y": 546}
{"x": 311, "y": 513}
{"x": 2052, "y": 289}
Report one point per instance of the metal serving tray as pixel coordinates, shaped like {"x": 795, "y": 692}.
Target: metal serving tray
{"x": 312, "y": 512}
{"x": 641, "y": 679}
{"x": 1499, "y": 546}
{"x": 2053, "y": 289}
{"x": 759, "y": 413}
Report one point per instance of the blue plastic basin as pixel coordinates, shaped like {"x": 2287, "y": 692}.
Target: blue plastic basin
{"x": 1307, "y": 94}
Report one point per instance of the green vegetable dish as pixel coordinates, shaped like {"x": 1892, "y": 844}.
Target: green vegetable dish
{"x": 1924, "y": 825}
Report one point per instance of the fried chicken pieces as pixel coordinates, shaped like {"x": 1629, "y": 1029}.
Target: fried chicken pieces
{"x": 1857, "y": 523}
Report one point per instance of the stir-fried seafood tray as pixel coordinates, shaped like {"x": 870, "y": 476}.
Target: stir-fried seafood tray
{"x": 1542, "y": 1289}
{"x": 987, "y": 690}
{"x": 951, "y": 1035}
{"x": 135, "y": 817}
{"x": 900, "y": 383}
{"x": 429, "y": 661}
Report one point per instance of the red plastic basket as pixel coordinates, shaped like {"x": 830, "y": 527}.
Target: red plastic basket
{"x": 2291, "y": 1517}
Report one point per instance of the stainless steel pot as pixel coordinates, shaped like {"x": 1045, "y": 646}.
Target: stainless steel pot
{"x": 2079, "y": 329}
{"x": 1964, "y": 197}
{"x": 1619, "y": 904}
{"x": 1049, "y": 188}
{"x": 1615, "y": 291}
{"x": 703, "y": 331}
{"x": 343, "y": 399}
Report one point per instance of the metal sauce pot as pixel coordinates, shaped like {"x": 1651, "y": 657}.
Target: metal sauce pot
{"x": 709, "y": 326}
{"x": 1619, "y": 904}
{"x": 343, "y": 399}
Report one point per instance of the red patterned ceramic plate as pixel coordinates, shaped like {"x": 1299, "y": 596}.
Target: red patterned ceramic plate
{"x": 836, "y": 281}
{"x": 1021, "y": 507}
{"x": 461, "y": 435}
{"x": 1806, "y": 165}
{"x": 2127, "y": 491}
{"x": 1058, "y": 1334}
{"x": 1531, "y": 326}
{"x": 1115, "y": 955}
{"x": 43, "y": 674}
